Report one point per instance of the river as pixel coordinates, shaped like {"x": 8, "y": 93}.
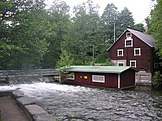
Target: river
{"x": 77, "y": 103}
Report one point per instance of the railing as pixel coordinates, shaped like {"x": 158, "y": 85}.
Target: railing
{"x": 37, "y": 72}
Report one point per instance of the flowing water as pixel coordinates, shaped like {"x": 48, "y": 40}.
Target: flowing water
{"x": 76, "y": 103}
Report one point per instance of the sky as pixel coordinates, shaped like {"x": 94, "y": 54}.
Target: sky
{"x": 140, "y": 8}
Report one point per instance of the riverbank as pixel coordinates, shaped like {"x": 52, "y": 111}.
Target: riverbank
{"x": 15, "y": 106}
{"x": 10, "y": 111}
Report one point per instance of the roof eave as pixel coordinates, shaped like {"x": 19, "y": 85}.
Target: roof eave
{"x": 117, "y": 40}
{"x": 141, "y": 38}
{"x": 107, "y": 72}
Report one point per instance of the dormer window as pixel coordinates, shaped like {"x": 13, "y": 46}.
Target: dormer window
{"x": 128, "y": 35}
{"x": 128, "y": 40}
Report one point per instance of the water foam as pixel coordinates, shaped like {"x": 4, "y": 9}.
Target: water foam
{"x": 31, "y": 89}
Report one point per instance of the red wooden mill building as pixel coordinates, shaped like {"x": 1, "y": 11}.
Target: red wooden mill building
{"x": 102, "y": 76}
{"x": 135, "y": 49}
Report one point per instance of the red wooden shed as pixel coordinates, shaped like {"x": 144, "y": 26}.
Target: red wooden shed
{"x": 102, "y": 76}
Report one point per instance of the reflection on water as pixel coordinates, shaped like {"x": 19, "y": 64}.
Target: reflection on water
{"x": 92, "y": 104}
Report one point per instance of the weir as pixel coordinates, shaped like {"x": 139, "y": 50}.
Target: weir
{"x": 19, "y": 76}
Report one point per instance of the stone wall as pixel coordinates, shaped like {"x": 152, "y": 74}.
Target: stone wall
{"x": 143, "y": 78}
{"x": 32, "y": 110}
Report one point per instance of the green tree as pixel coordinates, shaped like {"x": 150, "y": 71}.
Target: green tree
{"x": 108, "y": 19}
{"x": 139, "y": 27}
{"x": 22, "y": 36}
{"x": 124, "y": 20}
{"x": 58, "y": 21}
{"x": 157, "y": 79}
{"x": 147, "y": 20}
{"x": 65, "y": 59}
{"x": 5, "y": 46}
{"x": 63, "y": 64}
{"x": 156, "y": 25}
{"x": 112, "y": 18}
{"x": 83, "y": 32}
{"x": 31, "y": 35}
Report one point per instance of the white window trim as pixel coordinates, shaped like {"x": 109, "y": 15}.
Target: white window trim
{"x": 121, "y": 63}
{"x": 131, "y": 63}
{"x": 99, "y": 81}
{"x": 118, "y": 51}
{"x": 130, "y": 39}
{"x": 139, "y": 49}
{"x": 71, "y": 78}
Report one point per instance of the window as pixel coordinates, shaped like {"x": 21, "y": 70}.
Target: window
{"x": 98, "y": 78}
{"x": 85, "y": 77}
{"x": 120, "y": 63}
{"x": 128, "y": 35}
{"x": 128, "y": 42}
{"x": 137, "y": 51}
{"x": 156, "y": 65}
{"x": 120, "y": 52}
{"x": 71, "y": 76}
{"x": 133, "y": 63}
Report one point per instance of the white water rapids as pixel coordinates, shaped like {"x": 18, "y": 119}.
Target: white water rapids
{"x": 71, "y": 103}
{"x": 36, "y": 88}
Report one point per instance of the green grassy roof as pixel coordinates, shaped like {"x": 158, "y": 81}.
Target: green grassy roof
{"x": 99, "y": 69}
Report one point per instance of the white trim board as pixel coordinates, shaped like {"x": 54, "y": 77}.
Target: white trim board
{"x": 118, "y": 81}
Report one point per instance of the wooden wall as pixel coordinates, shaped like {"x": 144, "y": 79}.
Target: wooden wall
{"x": 143, "y": 62}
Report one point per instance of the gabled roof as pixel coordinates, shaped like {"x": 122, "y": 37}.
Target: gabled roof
{"x": 99, "y": 69}
{"x": 149, "y": 40}
{"x": 144, "y": 37}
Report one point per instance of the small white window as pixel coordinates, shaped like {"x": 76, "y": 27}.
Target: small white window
{"x": 133, "y": 63}
{"x": 120, "y": 52}
{"x": 128, "y": 35}
{"x": 120, "y": 63}
{"x": 137, "y": 51}
{"x": 129, "y": 42}
{"x": 98, "y": 78}
{"x": 71, "y": 76}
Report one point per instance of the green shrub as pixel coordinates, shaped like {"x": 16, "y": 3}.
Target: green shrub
{"x": 65, "y": 59}
{"x": 157, "y": 79}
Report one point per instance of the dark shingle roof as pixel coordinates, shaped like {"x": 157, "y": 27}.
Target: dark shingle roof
{"x": 149, "y": 40}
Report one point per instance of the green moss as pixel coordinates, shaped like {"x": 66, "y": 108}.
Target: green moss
{"x": 1, "y": 119}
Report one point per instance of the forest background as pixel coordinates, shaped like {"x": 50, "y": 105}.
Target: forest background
{"x": 32, "y": 36}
